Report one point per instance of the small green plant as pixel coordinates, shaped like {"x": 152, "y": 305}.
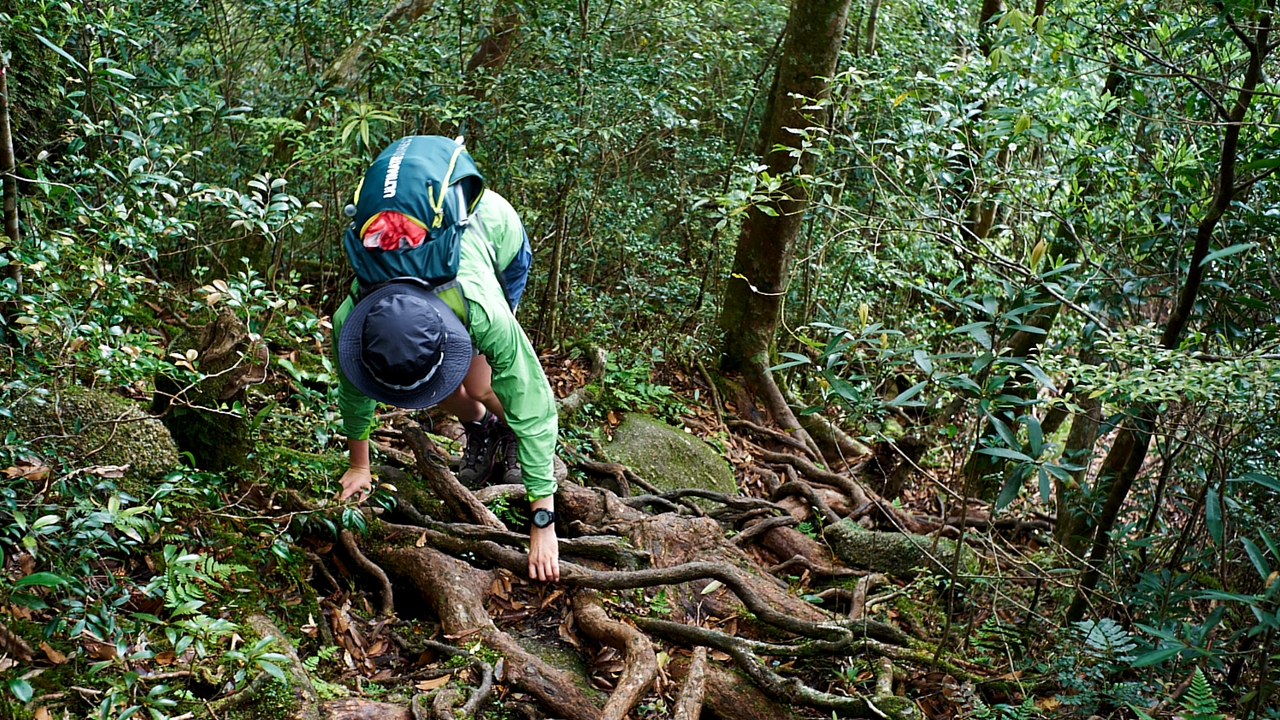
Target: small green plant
{"x": 185, "y": 575}
{"x": 1198, "y": 702}
{"x": 659, "y": 604}
{"x": 630, "y": 387}
{"x": 324, "y": 654}
{"x": 1025, "y": 711}
{"x": 512, "y": 516}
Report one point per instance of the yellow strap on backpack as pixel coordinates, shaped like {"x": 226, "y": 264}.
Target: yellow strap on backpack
{"x": 437, "y": 203}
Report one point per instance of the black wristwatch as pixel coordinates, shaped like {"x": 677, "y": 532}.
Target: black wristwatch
{"x": 542, "y": 518}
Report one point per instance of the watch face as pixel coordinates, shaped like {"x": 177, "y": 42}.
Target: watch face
{"x": 542, "y": 518}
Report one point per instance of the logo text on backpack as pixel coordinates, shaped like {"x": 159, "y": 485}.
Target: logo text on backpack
{"x": 393, "y": 168}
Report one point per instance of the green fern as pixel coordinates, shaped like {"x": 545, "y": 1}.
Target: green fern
{"x": 1198, "y": 702}
{"x": 186, "y": 575}
{"x": 1025, "y": 711}
{"x": 1106, "y": 639}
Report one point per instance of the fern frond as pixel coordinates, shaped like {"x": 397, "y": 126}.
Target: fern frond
{"x": 1198, "y": 702}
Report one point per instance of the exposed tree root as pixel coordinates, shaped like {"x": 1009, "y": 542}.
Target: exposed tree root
{"x": 770, "y": 433}
{"x": 13, "y": 644}
{"x": 361, "y": 709}
{"x": 455, "y": 590}
{"x": 703, "y": 572}
{"x": 730, "y": 694}
{"x": 388, "y": 605}
{"x": 856, "y": 492}
{"x": 641, "y": 663}
{"x": 760, "y": 527}
{"x": 460, "y": 501}
{"x": 757, "y": 375}
{"x": 746, "y": 654}
{"x": 864, "y": 586}
{"x": 806, "y": 491}
{"x": 817, "y": 569}
{"x": 689, "y": 702}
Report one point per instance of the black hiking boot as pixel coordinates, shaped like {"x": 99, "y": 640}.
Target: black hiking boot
{"x": 480, "y": 451}
{"x": 509, "y": 445}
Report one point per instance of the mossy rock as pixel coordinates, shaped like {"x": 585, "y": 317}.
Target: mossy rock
{"x": 898, "y": 555}
{"x": 81, "y": 427}
{"x": 667, "y": 457}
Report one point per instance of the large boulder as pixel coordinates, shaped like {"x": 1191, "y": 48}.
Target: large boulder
{"x": 84, "y": 427}
{"x": 899, "y": 555}
{"x": 667, "y": 457}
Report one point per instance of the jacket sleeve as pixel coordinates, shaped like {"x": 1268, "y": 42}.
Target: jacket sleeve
{"x": 522, "y": 387}
{"x": 356, "y": 408}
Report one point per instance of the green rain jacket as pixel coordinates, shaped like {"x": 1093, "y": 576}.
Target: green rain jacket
{"x": 518, "y": 380}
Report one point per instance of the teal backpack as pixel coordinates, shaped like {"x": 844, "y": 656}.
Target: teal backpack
{"x": 431, "y": 180}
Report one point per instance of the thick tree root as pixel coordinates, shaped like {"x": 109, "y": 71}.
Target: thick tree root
{"x": 749, "y": 590}
{"x": 641, "y": 663}
{"x": 388, "y": 604}
{"x": 689, "y": 702}
{"x": 730, "y": 694}
{"x": 788, "y": 690}
{"x": 361, "y": 709}
{"x": 770, "y": 433}
{"x": 852, "y": 488}
{"x": 455, "y": 590}
{"x": 460, "y": 501}
{"x": 442, "y": 705}
{"x": 757, "y": 375}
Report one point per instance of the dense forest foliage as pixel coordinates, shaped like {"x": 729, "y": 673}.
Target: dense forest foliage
{"x": 979, "y": 301}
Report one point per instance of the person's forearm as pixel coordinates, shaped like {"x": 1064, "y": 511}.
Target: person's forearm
{"x": 359, "y": 451}
{"x": 546, "y": 503}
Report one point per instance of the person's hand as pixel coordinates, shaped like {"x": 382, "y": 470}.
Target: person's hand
{"x": 544, "y": 554}
{"x": 356, "y": 479}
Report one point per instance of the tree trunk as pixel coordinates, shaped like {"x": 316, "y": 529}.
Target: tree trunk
{"x": 1127, "y": 454}
{"x": 873, "y": 15}
{"x": 494, "y": 50}
{"x": 9, "y": 167}
{"x": 755, "y": 294}
{"x": 986, "y": 15}
{"x": 1072, "y": 521}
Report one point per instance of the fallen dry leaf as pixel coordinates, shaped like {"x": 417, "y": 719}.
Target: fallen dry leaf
{"x": 54, "y": 656}
{"x": 550, "y": 599}
{"x": 30, "y": 469}
{"x": 1048, "y": 704}
{"x": 433, "y": 683}
{"x": 165, "y": 658}
{"x": 100, "y": 651}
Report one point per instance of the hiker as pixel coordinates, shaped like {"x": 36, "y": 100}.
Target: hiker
{"x": 441, "y": 263}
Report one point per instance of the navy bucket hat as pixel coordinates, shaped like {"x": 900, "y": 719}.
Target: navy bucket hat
{"x": 402, "y": 345}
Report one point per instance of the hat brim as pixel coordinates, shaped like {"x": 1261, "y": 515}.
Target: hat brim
{"x": 453, "y": 368}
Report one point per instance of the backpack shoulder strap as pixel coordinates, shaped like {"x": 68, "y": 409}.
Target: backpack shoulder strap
{"x": 474, "y": 222}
